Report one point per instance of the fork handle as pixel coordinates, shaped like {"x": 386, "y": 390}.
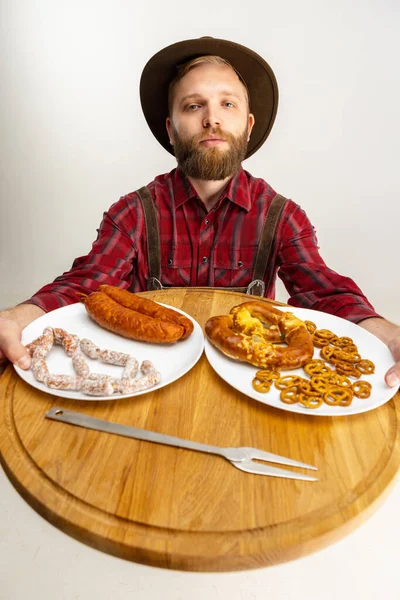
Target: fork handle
{"x": 82, "y": 420}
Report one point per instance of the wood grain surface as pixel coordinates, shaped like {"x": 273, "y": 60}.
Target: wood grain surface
{"x": 185, "y": 510}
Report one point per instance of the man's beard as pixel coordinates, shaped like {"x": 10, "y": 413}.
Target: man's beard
{"x": 210, "y": 164}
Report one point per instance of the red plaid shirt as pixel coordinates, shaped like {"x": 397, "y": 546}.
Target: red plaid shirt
{"x": 215, "y": 248}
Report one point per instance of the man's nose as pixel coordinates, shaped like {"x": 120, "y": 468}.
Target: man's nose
{"x": 212, "y": 119}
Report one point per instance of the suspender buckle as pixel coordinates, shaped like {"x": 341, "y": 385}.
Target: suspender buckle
{"x": 256, "y": 288}
{"x": 154, "y": 284}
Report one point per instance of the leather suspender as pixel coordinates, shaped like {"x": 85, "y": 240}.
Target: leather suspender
{"x": 265, "y": 248}
{"x": 153, "y": 239}
{"x": 266, "y": 241}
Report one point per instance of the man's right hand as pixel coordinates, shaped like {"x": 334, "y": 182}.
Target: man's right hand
{"x": 12, "y": 322}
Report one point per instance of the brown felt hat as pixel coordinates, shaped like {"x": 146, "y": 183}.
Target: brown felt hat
{"x": 256, "y": 73}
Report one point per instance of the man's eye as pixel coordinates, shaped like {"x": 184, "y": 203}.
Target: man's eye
{"x": 229, "y": 104}
{"x": 192, "y": 106}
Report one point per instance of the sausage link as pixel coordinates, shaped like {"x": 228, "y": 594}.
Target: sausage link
{"x": 131, "y": 368}
{"x": 112, "y": 357}
{"x": 98, "y": 385}
{"x": 148, "y": 307}
{"x": 69, "y": 341}
{"x": 64, "y": 382}
{"x": 89, "y": 348}
{"x": 129, "y": 323}
{"x": 44, "y": 344}
{"x": 40, "y": 369}
{"x": 42, "y": 339}
{"x": 80, "y": 365}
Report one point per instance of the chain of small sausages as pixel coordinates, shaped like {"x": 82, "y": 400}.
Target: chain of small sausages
{"x": 84, "y": 381}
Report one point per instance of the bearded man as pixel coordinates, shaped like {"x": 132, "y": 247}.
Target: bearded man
{"x": 211, "y": 103}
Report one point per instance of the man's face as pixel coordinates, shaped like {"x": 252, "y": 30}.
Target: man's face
{"x": 210, "y": 122}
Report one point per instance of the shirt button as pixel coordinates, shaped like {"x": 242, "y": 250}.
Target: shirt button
{"x": 240, "y": 263}
{"x": 206, "y": 221}
{"x": 170, "y": 261}
{"x": 205, "y": 259}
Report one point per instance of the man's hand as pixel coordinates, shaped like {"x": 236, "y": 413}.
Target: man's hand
{"x": 389, "y": 333}
{"x": 12, "y": 322}
{"x": 393, "y": 375}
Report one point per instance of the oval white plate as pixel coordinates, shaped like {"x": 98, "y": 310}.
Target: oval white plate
{"x": 240, "y": 375}
{"x": 171, "y": 360}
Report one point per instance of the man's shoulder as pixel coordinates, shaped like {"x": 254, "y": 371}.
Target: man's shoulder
{"x": 261, "y": 195}
{"x": 257, "y": 185}
{"x": 160, "y": 182}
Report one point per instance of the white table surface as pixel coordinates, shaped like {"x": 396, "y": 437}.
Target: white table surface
{"x": 38, "y": 561}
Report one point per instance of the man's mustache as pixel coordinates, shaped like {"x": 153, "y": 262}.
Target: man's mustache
{"x": 216, "y": 133}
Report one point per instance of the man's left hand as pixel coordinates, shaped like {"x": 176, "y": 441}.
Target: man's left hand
{"x": 392, "y": 377}
{"x": 389, "y": 333}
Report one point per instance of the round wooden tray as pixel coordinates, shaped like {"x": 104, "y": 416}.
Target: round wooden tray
{"x": 185, "y": 510}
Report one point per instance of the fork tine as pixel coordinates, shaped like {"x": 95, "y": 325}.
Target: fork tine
{"x": 276, "y": 458}
{"x": 254, "y": 467}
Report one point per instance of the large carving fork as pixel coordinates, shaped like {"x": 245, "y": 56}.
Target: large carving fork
{"x": 241, "y": 458}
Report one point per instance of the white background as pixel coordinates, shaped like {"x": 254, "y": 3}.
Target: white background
{"x": 73, "y": 140}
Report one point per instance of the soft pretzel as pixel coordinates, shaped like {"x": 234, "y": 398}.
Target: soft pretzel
{"x": 252, "y": 332}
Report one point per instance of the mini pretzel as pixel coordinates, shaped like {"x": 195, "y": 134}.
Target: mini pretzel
{"x": 327, "y": 352}
{"x": 338, "y": 396}
{"x": 310, "y": 401}
{"x": 340, "y": 380}
{"x": 307, "y": 388}
{"x": 349, "y": 348}
{"x": 347, "y": 369}
{"x": 261, "y": 385}
{"x": 366, "y": 366}
{"x": 287, "y": 381}
{"x": 361, "y": 389}
{"x": 311, "y": 327}
{"x": 268, "y": 374}
{"x": 290, "y": 395}
{"x": 324, "y": 334}
{"x": 320, "y": 342}
{"x": 320, "y": 383}
{"x": 352, "y": 357}
{"x": 316, "y": 367}
{"x": 344, "y": 341}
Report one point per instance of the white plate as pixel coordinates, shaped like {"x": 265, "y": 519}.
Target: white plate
{"x": 171, "y": 360}
{"x": 240, "y": 375}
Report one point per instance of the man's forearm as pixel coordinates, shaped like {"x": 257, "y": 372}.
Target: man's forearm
{"x": 23, "y": 314}
{"x": 381, "y": 328}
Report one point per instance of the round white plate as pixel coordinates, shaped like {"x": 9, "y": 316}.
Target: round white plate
{"x": 171, "y": 360}
{"x": 240, "y": 375}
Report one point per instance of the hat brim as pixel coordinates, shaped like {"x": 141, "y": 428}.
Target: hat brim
{"x": 258, "y": 75}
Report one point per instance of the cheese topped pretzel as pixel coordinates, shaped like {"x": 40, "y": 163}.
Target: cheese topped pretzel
{"x": 260, "y": 334}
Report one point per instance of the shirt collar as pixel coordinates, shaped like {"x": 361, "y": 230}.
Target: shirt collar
{"x": 237, "y": 189}
{"x": 183, "y": 189}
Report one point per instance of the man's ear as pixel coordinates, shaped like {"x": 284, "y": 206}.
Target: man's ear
{"x": 251, "y": 122}
{"x": 168, "y": 124}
